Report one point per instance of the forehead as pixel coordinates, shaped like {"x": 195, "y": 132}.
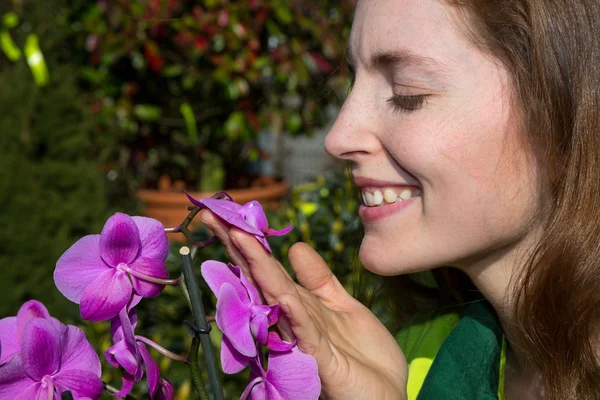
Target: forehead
{"x": 426, "y": 28}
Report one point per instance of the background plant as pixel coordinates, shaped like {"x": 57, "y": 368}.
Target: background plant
{"x": 186, "y": 86}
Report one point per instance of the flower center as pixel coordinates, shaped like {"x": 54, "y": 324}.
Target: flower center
{"x": 123, "y": 267}
{"x": 48, "y": 384}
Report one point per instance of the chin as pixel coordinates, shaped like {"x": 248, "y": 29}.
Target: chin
{"x": 387, "y": 262}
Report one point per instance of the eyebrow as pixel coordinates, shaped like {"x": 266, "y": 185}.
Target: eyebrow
{"x": 387, "y": 59}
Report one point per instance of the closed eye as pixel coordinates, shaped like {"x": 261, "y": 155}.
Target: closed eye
{"x": 404, "y": 103}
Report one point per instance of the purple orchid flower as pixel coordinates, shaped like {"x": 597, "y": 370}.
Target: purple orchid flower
{"x": 130, "y": 352}
{"x": 250, "y": 217}
{"x": 165, "y": 390}
{"x": 291, "y": 375}
{"x": 12, "y": 328}
{"x": 241, "y": 315}
{"x": 52, "y": 359}
{"x": 101, "y": 272}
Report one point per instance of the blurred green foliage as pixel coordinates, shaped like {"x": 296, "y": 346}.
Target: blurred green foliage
{"x": 139, "y": 89}
{"x": 185, "y": 84}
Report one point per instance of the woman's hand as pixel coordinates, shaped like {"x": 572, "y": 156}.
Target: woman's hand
{"x": 357, "y": 356}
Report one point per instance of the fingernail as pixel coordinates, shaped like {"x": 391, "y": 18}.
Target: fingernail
{"x": 283, "y": 304}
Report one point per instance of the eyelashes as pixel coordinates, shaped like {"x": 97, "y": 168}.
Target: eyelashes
{"x": 403, "y": 103}
{"x": 399, "y": 102}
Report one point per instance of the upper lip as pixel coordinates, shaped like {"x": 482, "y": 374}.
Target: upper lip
{"x": 362, "y": 181}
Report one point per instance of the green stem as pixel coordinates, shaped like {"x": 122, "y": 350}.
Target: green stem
{"x": 195, "y": 369}
{"x": 193, "y": 290}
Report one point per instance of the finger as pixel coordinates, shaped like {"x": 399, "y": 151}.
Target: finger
{"x": 267, "y": 272}
{"x": 315, "y": 275}
{"x": 221, "y": 230}
{"x": 308, "y": 336}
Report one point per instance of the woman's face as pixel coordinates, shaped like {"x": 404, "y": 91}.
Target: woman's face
{"x": 430, "y": 131}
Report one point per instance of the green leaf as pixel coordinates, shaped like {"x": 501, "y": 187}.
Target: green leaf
{"x": 35, "y": 60}
{"x": 10, "y": 20}
{"x": 283, "y": 14}
{"x": 293, "y": 123}
{"x": 190, "y": 122}
{"x": 172, "y": 70}
{"x": 147, "y": 112}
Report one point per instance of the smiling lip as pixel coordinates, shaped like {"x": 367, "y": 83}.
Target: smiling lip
{"x": 372, "y": 214}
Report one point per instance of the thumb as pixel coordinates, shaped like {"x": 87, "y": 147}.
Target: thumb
{"x": 313, "y": 273}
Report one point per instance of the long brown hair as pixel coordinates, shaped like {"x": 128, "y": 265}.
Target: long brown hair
{"x": 552, "y": 50}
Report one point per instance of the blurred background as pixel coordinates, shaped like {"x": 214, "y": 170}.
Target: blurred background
{"x": 120, "y": 105}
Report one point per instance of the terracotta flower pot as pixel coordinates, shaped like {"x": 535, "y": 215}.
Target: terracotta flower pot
{"x": 169, "y": 207}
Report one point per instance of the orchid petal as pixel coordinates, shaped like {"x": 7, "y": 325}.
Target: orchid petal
{"x": 116, "y": 326}
{"x": 254, "y": 215}
{"x": 195, "y": 202}
{"x": 80, "y": 383}
{"x": 233, "y": 318}
{"x": 29, "y": 310}
{"x": 36, "y": 391}
{"x": 77, "y": 353}
{"x": 13, "y": 379}
{"x": 126, "y": 360}
{"x": 127, "y": 385}
{"x": 259, "y": 327}
{"x": 152, "y": 371}
{"x": 216, "y": 273}
{"x": 263, "y": 240}
{"x": 40, "y": 349}
{"x": 251, "y": 384}
{"x": 119, "y": 240}
{"x": 229, "y": 212}
{"x": 109, "y": 354}
{"x": 275, "y": 343}
{"x": 294, "y": 374}
{"x": 78, "y": 267}
{"x": 253, "y": 293}
{"x": 232, "y": 361}
{"x": 274, "y": 314}
{"x": 149, "y": 267}
{"x": 267, "y": 391}
{"x": 8, "y": 338}
{"x": 106, "y": 296}
{"x": 280, "y": 232}
{"x": 165, "y": 391}
{"x": 153, "y": 238}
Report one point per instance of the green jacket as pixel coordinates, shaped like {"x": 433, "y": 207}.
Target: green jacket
{"x": 454, "y": 357}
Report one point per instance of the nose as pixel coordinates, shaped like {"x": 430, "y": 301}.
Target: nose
{"x": 353, "y": 135}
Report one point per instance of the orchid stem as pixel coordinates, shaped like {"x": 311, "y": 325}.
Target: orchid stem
{"x": 195, "y": 369}
{"x": 147, "y": 278}
{"x": 114, "y": 390}
{"x": 200, "y": 319}
{"x": 184, "y": 226}
{"x": 161, "y": 349}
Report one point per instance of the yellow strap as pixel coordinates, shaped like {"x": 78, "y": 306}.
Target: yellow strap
{"x": 420, "y": 342}
{"x": 501, "y": 379}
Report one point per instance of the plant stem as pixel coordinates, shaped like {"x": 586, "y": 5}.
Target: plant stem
{"x": 200, "y": 319}
{"x": 161, "y": 350}
{"x": 195, "y": 369}
{"x": 113, "y": 390}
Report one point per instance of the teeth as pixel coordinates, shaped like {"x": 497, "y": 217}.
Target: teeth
{"x": 389, "y": 196}
{"x": 405, "y": 194}
{"x": 377, "y": 198}
{"x": 369, "y": 201}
